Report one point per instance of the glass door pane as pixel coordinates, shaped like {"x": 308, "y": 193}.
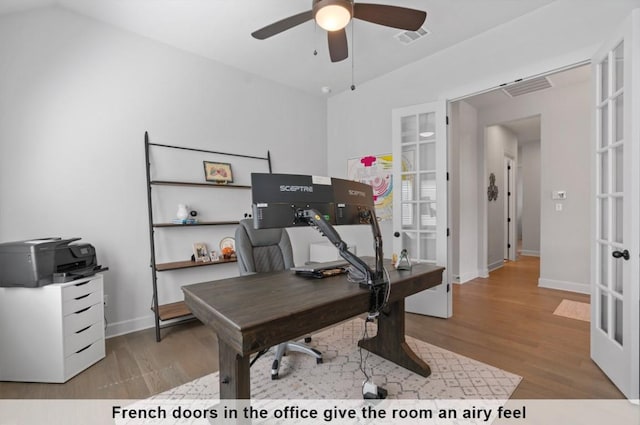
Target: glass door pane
{"x": 616, "y": 261}
{"x": 611, "y": 203}
{"x": 418, "y": 208}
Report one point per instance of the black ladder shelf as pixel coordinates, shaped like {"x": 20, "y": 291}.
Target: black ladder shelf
{"x": 179, "y": 310}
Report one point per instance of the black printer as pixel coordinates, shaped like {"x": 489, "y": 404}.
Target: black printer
{"x": 39, "y": 262}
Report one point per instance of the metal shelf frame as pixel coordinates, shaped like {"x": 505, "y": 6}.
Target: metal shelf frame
{"x": 178, "y": 309}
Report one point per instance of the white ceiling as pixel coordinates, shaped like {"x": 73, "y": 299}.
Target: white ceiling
{"x": 220, "y": 30}
{"x": 527, "y": 130}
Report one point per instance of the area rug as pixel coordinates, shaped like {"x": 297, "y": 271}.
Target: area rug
{"x": 340, "y": 376}
{"x": 574, "y": 310}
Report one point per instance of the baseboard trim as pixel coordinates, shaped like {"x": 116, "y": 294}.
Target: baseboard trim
{"x": 528, "y": 253}
{"x": 496, "y": 265}
{"x": 467, "y": 276}
{"x": 580, "y": 288}
{"x": 128, "y": 326}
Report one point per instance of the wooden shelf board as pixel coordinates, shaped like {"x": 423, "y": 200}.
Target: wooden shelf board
{"x": 173, "y": 310}
{"x": 161, "y": 267}
{"x": 195, "y": 184}
{"x": 201, "y": 223}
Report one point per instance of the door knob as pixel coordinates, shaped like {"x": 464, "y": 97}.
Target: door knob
{"x": 396, "y": 234}
{"x": 624, "y": 254}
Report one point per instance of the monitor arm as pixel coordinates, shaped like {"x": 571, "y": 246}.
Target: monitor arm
{"x": 373, "y": 277}
{"x": 370, "y": 216}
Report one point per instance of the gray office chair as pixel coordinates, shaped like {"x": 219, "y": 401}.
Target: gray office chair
{"x": 262, "y": 251}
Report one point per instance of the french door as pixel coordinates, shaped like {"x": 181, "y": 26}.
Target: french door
{"x": 616, "y": 250}
{"x": 420, "y": 202}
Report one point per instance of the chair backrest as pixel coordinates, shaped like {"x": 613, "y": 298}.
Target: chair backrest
{"x": 262, "y": 250}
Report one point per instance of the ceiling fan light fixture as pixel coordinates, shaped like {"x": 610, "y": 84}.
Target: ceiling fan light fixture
{"x": 332, "y": 15}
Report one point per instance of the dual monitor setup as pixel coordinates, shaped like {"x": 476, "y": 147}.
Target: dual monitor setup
{"x": 290, "y": 200}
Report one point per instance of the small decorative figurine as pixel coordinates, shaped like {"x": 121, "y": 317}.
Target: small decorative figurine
{"x": 403, "y": 262}
{"x": 183, "y": 212}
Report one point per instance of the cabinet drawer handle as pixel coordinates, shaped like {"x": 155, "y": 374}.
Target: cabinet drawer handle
{"x": 84, "y": 329}
{"x": 83, "y": 310}
{"x": 84, "y": 296}
{"x": 82, "y": 283}
{"x": 82, "y": 349}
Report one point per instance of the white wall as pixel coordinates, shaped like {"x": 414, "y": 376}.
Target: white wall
{"x": 529, "y": 159}
{"x": 499, "y": 142}
{"x": 562, "y": 33}
{"x": 463, "y": 192}
{"x": 75, "y": 99}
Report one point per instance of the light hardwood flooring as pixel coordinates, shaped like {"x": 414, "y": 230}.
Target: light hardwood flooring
{"x": 505, "y": 321}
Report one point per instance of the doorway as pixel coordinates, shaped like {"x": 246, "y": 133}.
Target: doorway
{"x": 557, "y": 109}
{"x": 521, "y": 200}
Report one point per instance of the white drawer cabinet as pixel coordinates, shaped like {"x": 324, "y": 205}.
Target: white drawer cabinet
{"x": 51, "y": 333}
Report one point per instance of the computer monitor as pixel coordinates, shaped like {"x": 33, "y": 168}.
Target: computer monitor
{"x": 286, "y": 200}
{"x": 277, "y": 197}
{"x": 353, "y": 200}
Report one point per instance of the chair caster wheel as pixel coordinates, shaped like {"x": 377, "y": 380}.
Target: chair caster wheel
{"x": 307, "y": 339}
{"x": 319, "y": 361}
{"x": 274, "y": 377}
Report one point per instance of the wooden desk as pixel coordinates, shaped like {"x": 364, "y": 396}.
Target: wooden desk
{"x": 251, "y": 313}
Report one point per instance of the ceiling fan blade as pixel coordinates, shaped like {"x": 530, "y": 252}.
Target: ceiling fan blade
{"x": 390, "y": 16}
{"x": 282, "y": 25}
{"x": 338, "y": 47}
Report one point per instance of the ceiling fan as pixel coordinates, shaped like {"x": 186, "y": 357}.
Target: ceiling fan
{"x": 334, "y": 15}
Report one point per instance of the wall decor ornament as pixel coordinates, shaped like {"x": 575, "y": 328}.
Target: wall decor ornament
{"x": 492, "y": 190}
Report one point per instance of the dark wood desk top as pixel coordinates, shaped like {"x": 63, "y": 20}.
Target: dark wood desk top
{"x": 258, "y": 311}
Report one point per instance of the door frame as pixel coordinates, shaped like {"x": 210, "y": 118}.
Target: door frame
{"x": 546, "y": 67}
{"x": 509, "y": 208}
{"x": 479, "y": 88}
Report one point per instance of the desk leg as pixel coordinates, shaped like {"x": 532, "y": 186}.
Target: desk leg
{"x": 234, "y": 373}
{"x": 390, "y": 343}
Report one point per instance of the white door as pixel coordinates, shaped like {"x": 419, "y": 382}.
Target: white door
{"x": 616, "y": 252}
{"x": 420, "y": 200}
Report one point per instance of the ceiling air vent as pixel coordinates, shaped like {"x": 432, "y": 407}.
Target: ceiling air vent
{"x": 408, "y": 37}
{"x": 528, "y": 86}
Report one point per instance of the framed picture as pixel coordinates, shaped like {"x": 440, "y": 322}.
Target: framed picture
{"x": 217, "y": 172}
{"x": 200, "y": 252}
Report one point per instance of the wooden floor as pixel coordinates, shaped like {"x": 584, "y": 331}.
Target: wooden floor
{"x": 505, "y": 321}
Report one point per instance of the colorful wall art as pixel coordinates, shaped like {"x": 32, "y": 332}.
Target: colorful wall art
{"x": 376, "y": 171}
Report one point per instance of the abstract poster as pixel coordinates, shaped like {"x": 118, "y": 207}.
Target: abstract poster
{"x": 376, "y": 171}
